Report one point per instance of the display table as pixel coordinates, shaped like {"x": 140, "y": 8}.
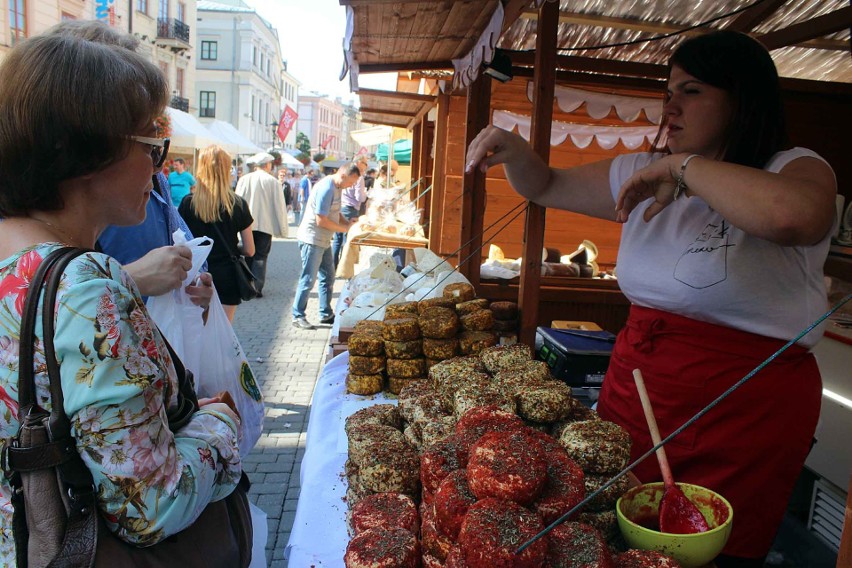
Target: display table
{"x": 356, "y": 238}
{"x": 319, "y": 536}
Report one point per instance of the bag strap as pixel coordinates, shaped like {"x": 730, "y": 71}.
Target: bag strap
{"x": 235, "y": 254}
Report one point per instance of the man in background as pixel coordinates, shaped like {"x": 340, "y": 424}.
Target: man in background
{"x": 351, "y": 200}
{"x": 266, "y": 203}
{"x": 305, "y": 186}
{"x": 180, "y": 181}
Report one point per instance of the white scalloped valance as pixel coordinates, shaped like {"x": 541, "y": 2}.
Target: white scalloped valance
{"x": 349, "y": 64}
{"x": 581, "y": 134}
{"x": 467, "y": 68}
{"x": 599, "y": 105}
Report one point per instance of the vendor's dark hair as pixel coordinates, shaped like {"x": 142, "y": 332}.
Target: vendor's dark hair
{"x": 66, "y": 105}
{"x": 741, "y": 66}
{"x": 351, "y": 169}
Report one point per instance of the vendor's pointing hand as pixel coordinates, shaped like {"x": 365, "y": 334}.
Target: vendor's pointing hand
{"x": 494, "y": 146}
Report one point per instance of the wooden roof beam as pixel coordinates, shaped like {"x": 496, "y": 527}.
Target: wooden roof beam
{"x": 666, "y": 28}
{"x": 609, "y": 66}
{"x": 395, "y": 95}
{"x": 754, "y": 16}
{"x": 402, "y": 66}
{"x": 404, "y": 113}
{"x": 810, "y": 29}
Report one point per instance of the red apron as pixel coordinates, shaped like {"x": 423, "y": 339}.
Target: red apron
{"x": 751, "y": 447}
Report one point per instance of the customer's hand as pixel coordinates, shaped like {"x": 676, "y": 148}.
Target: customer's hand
{"x": 161, "y": 270}
{"x": 201, "y": 291}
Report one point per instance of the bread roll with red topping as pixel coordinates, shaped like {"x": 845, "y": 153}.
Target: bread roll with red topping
{"x": 385, "y": 511}
{"x": 507, "y": 465}
{"x": 494, "y": 529}
{"x": 645, "y": 559}
{"x": 439, "y": 461}
{"x": 452, "y": 500}
{"x": 434, "y": 542}
{"x": 478, "y": 421}
{"x": 380, "y": 548}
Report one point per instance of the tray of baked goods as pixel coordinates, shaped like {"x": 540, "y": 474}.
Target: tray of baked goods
{"x": 481, "y": 452}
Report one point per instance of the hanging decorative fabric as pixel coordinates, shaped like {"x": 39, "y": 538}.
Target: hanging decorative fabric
{"x": 581, "y": 134}
{"x": 467, "y": 68}
{"x": 599, "y": 105}
{"x": 349, "y": 64}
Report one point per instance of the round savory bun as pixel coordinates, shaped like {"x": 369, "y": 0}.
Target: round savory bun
{"x": 606, "y": 499}
{"x": 385, "y": 511}
{"x": 386, "y": 414}
{"x": 502, "y": 357}
{"x": 435, "y": 544}
{"x": 494, "y": 529}
{"x": 507, "y": 465}
{"x": 439, "y": 323}
{"x": 387, "y": 468}
{"x": 366, "y": 344}
{"x": 402, "y": 309}
{"x": 459, "y": 292}
{"x": 645, "y": 559}
{"x": 598, "y": 446}
{"x": 452, "y": 501}
{"x": 478, "y": 421}
{"x": 439, "y": 461}
{"x": 401, "y": 329}
{"x": 404, "y": 349}
{"x": 548, "y": 401}
{"x": 576, "y": 545}
{"x": 383, "y": 548}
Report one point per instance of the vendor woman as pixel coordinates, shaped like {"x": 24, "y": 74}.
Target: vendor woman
{"x": 725, "y": 232}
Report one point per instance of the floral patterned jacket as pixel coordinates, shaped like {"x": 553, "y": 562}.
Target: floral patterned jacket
{"x": 118, "y": 380}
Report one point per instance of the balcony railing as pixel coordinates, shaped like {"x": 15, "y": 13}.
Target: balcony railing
{"x": 180, "y": 103}
{"x": 170, "y": 28}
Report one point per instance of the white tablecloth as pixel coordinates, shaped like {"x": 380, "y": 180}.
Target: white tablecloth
{"x": 319, "y": 534}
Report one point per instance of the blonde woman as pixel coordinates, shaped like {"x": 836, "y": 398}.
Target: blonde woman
{"x": 213, "y": 210}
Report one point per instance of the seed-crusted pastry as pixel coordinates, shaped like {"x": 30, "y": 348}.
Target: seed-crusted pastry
{"x": 366, "y": 344}
{"x": 440, "y": 348}
{"x": 501, "y": 358}
{"x": 385, "y": 511}
{"x": 505, "y": 325}
{"x": 472, "y": 306}
{"x": 383, "y": 548}
{"x": 396, "y": 384}
{"x": 645, "y": 559}
{"x": 364, "y": 385}
{"x": 412, "y": 435}
{"x": 434, "y": 543}
{"x": 404, "y": 349}
{"x": 401, "y": 329}
{"x": 478, "y": 421}
{"x": 471, "y": 342}
{"x": 505, "y": 310}
{"x": 564, "y": 487}
{"x": 598, "y": 446}
{"x": 439, "y": 323}
{"x": 607, "y": 499}
{"x": 459, "y": 292}
{"x": 360, "y": 365}
{"x": 579, "y": 413}
{"x": 511, "y": 381}
{"x": 435, "y": 303}
{"x": 475, "y": 394}
{"x": 445, "y": 370}
{"x": 434, "y": 431}
{"x": 485, "y": 541}
{"x": 390, "y": 468}
{"x": 386, "y": 414}
{"x": 548, "y": 401}
{"x": 414, "y": 408}
{"x": 577, "y": 545}
{"x": 369, "y": 326}
{"x": 447, "y": 390}
{"x": 507, "y": 465}
{"x": 406, "y": 368}
{"x": 355, "y": 493}
{"x": 480, "y": 320}
{"x": 452, "y": 500}
{"x": 605, "y": 521}
{"x": 361, "y": 438}
{"x": 402, "y": 309}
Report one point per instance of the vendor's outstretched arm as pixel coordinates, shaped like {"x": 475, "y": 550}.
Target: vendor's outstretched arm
{"x": 583, "y": 189}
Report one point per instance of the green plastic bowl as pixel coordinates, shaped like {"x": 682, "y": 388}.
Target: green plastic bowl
{"x": 639, "y": 509}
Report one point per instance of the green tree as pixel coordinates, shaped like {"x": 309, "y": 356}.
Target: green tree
{"x": 303, "y": 143}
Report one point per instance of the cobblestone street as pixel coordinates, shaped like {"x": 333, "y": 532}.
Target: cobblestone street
{"x": 286, "y": 362}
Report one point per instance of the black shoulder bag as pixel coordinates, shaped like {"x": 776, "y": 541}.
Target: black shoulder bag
{"x": 246, "y": 280}
{"x": 56, "y": 521}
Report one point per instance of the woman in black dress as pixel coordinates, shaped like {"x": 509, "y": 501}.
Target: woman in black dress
{"x": 212, "y": 210}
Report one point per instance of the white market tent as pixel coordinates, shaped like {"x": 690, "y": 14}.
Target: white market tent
{"x": 188, "y": 134}
{"x": 290, "y": 162}
{"x": 234, "y": 142}
{"x": 372, "y": 136}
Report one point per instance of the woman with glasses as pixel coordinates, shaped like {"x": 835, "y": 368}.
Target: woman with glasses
{"x": 215, "y": 210}
{"x": 77, "y": 153}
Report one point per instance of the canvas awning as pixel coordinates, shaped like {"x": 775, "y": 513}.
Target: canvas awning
{"x": 235, "y": 142}
{"x": 372, "y": 136}
{"x": 290, "y": 162}
{"x": 189, "y": 134}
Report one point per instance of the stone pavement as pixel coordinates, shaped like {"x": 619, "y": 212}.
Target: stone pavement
{"x": 286, "y": 362}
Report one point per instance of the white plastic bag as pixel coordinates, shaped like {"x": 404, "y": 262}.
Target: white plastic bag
{"x": 218, "y": 362}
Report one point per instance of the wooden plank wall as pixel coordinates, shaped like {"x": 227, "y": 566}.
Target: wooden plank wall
{"x": 564, "y": 231}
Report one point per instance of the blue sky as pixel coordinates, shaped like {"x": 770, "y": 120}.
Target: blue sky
{"x": 311, "y": 34}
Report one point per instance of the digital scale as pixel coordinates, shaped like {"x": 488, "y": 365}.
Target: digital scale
{"x": 579, "y": 358}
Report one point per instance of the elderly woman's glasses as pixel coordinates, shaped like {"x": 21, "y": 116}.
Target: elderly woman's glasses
{"x": 159, "y": 148}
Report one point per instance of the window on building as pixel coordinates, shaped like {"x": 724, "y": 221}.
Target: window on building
{"x": 210, "y": 50}
{"x": 164, "y": 9}
{"x": 254, "y": 56}
{"x": 253, "y": 105}
{"x": 179, "y": 81}
{"x": 18, "y": 19}
{"x": 66, "y": 16}
{"x": 164, "y": 67}
{"x": 207, "y": 104}
{"x": 142, "y": 6}
{"x": 181, "y": 12}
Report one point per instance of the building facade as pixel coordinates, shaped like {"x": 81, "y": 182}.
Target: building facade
{"x": 165, "y": 29}
{"x": 239, "y": 69}
{"x": 321, "y": 119}
{"x": 351, "y": 122}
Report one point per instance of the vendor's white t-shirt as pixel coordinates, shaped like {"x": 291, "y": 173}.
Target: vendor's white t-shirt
{"x": 690, "y": 261}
